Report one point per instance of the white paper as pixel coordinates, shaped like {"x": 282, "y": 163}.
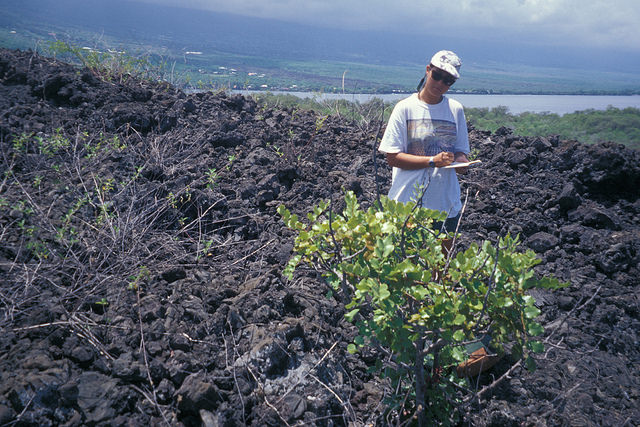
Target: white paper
{"x": 461, "y": 164}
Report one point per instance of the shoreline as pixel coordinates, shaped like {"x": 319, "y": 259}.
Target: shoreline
{"x": 293, "y": 92}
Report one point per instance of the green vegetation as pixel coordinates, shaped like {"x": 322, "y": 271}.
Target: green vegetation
{"x": 417, "y": 306}
{"x": 111, "y": 65}
{"x": 44, "y": 154}
{"x": 588, "y": 126}
{"x": 355, "y": 111}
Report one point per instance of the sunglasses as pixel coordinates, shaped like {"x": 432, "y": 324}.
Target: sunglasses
{"x": 438, "y": 75}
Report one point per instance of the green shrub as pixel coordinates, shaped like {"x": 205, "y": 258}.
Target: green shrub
{"x": 111, "y": 65}
{"x": 589, "y": 126}
{"x": 416, "y": 306}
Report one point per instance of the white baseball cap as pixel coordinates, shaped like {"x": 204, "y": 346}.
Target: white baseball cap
{"x": 447, "y": 61}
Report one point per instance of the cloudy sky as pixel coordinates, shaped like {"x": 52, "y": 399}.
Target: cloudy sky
{"x": 611, "y": 24}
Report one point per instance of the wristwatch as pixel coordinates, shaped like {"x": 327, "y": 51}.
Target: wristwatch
{"x": 432, "y": 164}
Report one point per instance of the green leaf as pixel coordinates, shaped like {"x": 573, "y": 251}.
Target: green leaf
{"x": 459, "y": 354}
{"x": 459, "y": 335}
{"x": 535, "y": 346}
{"x": 351, "y": 348}
{"x": 546, "y": 283}
{"x": 379, "y": 318}
{"x": 530, "y": 364}
{"x": 350, "y": 315}
{"x": 384, "y": 293}
{"x": 503, "y": 302}
{"x": 534, "y": 329}
{"x": 446, "y": 334}
{"x": 388, "y": 247}
{"x": 364, "y": 285}
{"x": 460, "y": 319}
{"x": 420, "y": 292}
{"x": 388, "y": 228}
{"x": 516, "y": 350}
{"x": 439, "y": 308}
{"x": 531, "y": 312}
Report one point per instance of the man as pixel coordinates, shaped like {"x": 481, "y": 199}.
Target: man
{"x": 426, "y": 132}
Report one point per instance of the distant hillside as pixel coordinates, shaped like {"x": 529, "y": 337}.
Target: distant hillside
{"x": 206, "y": 48}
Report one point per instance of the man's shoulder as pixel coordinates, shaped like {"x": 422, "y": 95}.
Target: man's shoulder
{"x": 408, "y": 101}
{"x": 454, "y": 104}
{"x": 407, "y": 104}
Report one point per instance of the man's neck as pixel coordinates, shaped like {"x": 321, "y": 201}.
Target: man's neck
{"x": 424, "y": 96}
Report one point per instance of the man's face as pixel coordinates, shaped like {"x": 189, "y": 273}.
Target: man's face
{"x": 438, "y": 81}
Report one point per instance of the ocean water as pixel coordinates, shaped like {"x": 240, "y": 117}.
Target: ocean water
{"x": 557, "y": 104}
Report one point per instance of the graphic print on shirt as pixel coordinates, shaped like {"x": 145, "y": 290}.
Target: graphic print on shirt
{"x": 427, "y": 137}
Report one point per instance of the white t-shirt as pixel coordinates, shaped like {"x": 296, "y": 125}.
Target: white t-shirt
{"x": 416, "y": 127}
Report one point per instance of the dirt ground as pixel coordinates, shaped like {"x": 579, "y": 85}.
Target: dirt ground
{"x": 141, "y": 259}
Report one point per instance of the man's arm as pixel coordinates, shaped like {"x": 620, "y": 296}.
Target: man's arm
{"x": 411, "y": 161}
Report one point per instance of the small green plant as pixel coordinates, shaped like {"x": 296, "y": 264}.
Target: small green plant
{"x": 473, "y": 155}
{"x": 171, "y": 199}
{"x": 57, "y": 142}
{"x": 212, "y": 178}
{"x": 416, "y": 306}
{"x": 107, "y": 186}
{"x": 103, "y": 188}
{"x": 22, "y": 207}
{"x": 38, "y": 249}
{"x": 231, "y": 159}
{"x": 46, "y": 145}
{"x": 103, "y": 302}
{"x": 104, "y": 215}
{"x": 34, "y": 243}
{"x": 276, "y": 149}
{"x": 66, "y": 233}
{"x": 20, "y": 142}
{"x": 186, "y": 197}
{"x": 110, "y": 65}
{"x": 320, "y": 122}
{"x": 115, "y": 143}
{"x": 206, "y": 249}
{"x": 103, "y": 144}
{"x": 136, "y": 280}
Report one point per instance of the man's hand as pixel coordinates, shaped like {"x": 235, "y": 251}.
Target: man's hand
{"x": 461, "y": 157}
{"x": 443, "y": 159}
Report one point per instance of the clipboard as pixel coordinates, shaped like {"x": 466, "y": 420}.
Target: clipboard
{"x": 461, "y": 164}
